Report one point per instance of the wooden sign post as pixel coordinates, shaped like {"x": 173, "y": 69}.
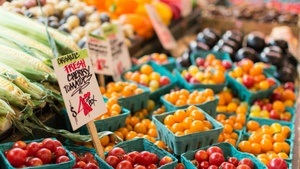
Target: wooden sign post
{"x": 81, "y": 93}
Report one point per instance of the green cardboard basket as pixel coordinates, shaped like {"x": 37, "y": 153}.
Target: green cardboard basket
{"x": 228, "y": 150}
{"x": 181, "y": 144}
{"x": 4, "y": 164}
{"x": 162, "y": 71}
{"x": 136, "y": 102}
{"x": 82, "y": 150}
{"x": 209, "y": 107}
{"x": 246, "y": 95}
{"x": 142, "y": 144}
{"x": 184, "y": 84}
{"x": 203, "y": 54}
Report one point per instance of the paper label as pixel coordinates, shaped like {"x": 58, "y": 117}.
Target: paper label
{"x": 100, "y": 54}
{"x": 79, "y": 88}
{"x": 186, "y": 7}
{"x": 164, "y": 35}
{"x": 110, "y": 55}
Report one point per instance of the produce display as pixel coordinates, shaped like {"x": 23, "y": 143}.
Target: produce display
{"x": 228, "y": 101}
{"x": 254, "y": 12}
{"x": 207, "y": 71}
{"x": 251, "y": 76}
{"x": 48, "y": 151}
{"x": 184, "y": 97}
{"x": 256, "y": 47}
{"x": 118, "y": 158}
{"x": 149, "y": 77}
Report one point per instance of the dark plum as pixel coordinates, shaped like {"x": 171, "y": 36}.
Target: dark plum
{"x": 256, "y": 40}
{"x": 246, "y": 52}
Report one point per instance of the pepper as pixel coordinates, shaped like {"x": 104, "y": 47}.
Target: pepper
{"x": 141, "y": 24}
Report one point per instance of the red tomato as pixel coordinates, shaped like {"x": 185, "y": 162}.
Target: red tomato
{"x": 204, "y": 165}
{"x": 57, "y": 143}
{"x": 124, "y": 164}
{"x": 233, "y": 161}
{"x": 59, "y": 151}
{"x": 88, "y": 156}
{"x": 35, "y": 162}
{"x": 75, "y": 155}
{"x": 49, "y": 144}
{"x": 216, "y": 159}
{"x": 165, "y": 160}
{"x": 247, "y": 161}
{"x": 117, "y": 151}
{"x": 248, "y": 81}
{"x": 16, "y": 157}
{"x": 91, "y": 166}
{"x": 243, "y": 166}
{"x": 277, "y": 163}
{"x": 32, "y": 148}
{"x": 112, "y": 161}
{"x": 139, "y": 167}
{"x": 152, "y": 166}
{"x": 227, "y": 165}
{"x": 144, "y": 158}
{"x": 201, "y": 155}
{"x": 45, "y": 155}
{"x": 94, "y": 161}
{"x": 180, "y": 166}
{"x": 213, "y": 167}
{"x": 214, "y": 149}
{"x": 154, "y": 158}
{"x": 133, "y": 156}
{"x": 20, "y": 144}
{"x": 62, "y": 159}
{"x": 79, "y": 164}
{"x": 128, "y": 158}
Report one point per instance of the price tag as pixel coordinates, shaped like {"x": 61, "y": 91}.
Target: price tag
{"x": 100, "y": 53}
{"x": 186, "y": 7}
{"x": 109, "y": 54}
{"x": 164, "y": 35}
{"x": 119, "y": 51}
{"x": 79, "y": 88}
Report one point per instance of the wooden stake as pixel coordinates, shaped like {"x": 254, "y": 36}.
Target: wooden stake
{"x": 101, "y": 80}
{"x": 94, "y": 135}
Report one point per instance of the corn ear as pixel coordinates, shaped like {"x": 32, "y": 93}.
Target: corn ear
{"x": 35, "y": 91}
{"x": 29, "y": 66}
{"x": 37, "y": 31}
{"x": 26, "y": 41}
{"x": 12, "y": 94}
{"x": 5, "y": 109}
{"x": 5, "y": 124}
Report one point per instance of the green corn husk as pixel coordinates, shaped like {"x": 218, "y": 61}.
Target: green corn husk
{"x": 37, "y": 31}
{"x": 26, "y": 41}
{"x": 29, "y": 66}
{"x": 30, "y": 51}
{"x": 35, "y": 91}
{"x": 5, "y": 124}
{"x": 12, "y": 94}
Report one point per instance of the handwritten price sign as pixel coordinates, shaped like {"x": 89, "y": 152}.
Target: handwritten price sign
{"x": 109, "y": 54}
{"x": 100, "y": 53}
{"x": 79, "y": 88}
{"x": 164, "y": 35}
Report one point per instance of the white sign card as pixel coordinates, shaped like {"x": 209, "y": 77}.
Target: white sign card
{"x": 164, "y": 35}
{"x": 100, "y": 53}
{"x": 110, "y": 52}
{"x": 79, "y": 88}
{"x": 186, "y": 7}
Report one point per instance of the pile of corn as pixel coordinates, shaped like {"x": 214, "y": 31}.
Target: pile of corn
{"x": 25, "y": 64}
